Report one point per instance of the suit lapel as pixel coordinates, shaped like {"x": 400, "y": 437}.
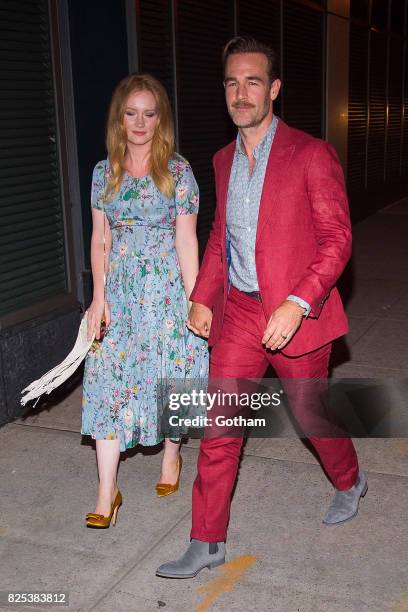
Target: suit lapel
{"x": 224, "y": 172}
{"x": 279, "y": 158}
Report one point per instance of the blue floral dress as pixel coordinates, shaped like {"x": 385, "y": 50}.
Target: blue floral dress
{"x": 147, "y": 339}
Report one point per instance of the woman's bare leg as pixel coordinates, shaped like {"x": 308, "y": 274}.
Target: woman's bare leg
{"x": 170, "y": 462}
{"x": 107, "y": 456}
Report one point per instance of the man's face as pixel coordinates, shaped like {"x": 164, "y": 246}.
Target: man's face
{"x": 248, "y": 92}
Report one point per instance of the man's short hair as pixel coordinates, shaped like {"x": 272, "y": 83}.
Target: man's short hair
{"x": 248, "y": 44}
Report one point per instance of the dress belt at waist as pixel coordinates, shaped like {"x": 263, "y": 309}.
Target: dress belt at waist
{"x": 157, "y": 227}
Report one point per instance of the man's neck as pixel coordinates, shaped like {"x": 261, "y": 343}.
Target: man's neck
{"x": 252, "y": 136}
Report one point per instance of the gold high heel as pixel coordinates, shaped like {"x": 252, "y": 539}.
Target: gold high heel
{"x": 163, "y": 489}
{"x": 99, "y": 521}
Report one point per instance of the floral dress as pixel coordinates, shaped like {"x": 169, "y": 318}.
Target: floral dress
{"x": 147, "y": 340}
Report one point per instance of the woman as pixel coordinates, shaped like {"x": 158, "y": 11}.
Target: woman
{"x": 144, "y": 211}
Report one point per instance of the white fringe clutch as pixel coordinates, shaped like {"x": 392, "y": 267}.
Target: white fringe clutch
{"x": 61, "y": 372}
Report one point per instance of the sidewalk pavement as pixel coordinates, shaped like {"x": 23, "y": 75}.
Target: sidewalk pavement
{"x": 281, "y": 557}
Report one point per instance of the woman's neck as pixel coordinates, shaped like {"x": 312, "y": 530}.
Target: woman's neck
{"x": 137, "y": 159}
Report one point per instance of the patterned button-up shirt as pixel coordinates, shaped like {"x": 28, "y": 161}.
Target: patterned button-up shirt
{"x": 244, "y": 197}
{"x": 243, "y": 201}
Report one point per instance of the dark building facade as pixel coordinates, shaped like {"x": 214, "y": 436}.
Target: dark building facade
{"x": 344, "y": 72}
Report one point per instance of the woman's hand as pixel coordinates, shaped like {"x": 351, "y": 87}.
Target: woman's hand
{"x": 96, "y": 311}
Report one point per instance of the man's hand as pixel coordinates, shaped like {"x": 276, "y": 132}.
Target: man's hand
{"x": 199, "y": 319}
{"x": 282, "y": 325}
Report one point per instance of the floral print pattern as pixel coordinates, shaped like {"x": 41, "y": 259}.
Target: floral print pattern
{"x": 147, "y": 340}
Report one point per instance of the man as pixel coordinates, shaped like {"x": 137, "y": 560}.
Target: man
{"x": 265, "y": 293}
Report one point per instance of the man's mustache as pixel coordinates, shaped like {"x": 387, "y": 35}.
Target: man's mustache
{"x": 242, "y": 105}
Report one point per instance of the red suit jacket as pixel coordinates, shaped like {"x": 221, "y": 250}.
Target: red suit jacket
{"x": 303, "y": 238}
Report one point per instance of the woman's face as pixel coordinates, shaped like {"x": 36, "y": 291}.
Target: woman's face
{"x": 141, "y": 117}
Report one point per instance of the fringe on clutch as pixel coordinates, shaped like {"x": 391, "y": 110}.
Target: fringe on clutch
{"x": 61, "y": 372}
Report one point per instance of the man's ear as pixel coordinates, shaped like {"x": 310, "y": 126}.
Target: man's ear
{"x": 275, "y": 87}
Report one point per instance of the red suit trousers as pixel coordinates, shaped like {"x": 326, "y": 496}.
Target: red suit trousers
{"x": 240, "y": 354}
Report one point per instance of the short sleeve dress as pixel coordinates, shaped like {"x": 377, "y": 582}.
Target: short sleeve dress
{"x": 147, "y": 339}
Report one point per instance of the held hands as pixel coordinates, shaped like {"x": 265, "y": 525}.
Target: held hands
{"x": 95, "y": 313}
{"x": 199, "y": 319}
{"x": 282, "y": 325}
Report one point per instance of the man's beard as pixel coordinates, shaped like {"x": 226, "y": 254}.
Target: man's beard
{"x": 255, "y": 121}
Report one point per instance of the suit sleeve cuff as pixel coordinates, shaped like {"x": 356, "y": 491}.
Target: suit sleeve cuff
{"x": 305, "y": 305}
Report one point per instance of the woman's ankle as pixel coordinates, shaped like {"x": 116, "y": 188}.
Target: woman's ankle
{"x": 110, "y": 488}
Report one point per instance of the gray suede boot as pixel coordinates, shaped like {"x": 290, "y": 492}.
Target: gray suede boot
{"x": 345, "y": 503}
{"x": 197, "y": 556}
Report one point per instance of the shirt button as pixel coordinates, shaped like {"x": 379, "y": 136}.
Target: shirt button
{"x": 247, "y": 200}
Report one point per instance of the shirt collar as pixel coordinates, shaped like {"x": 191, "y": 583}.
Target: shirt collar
{"x": 265, "y": 143}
